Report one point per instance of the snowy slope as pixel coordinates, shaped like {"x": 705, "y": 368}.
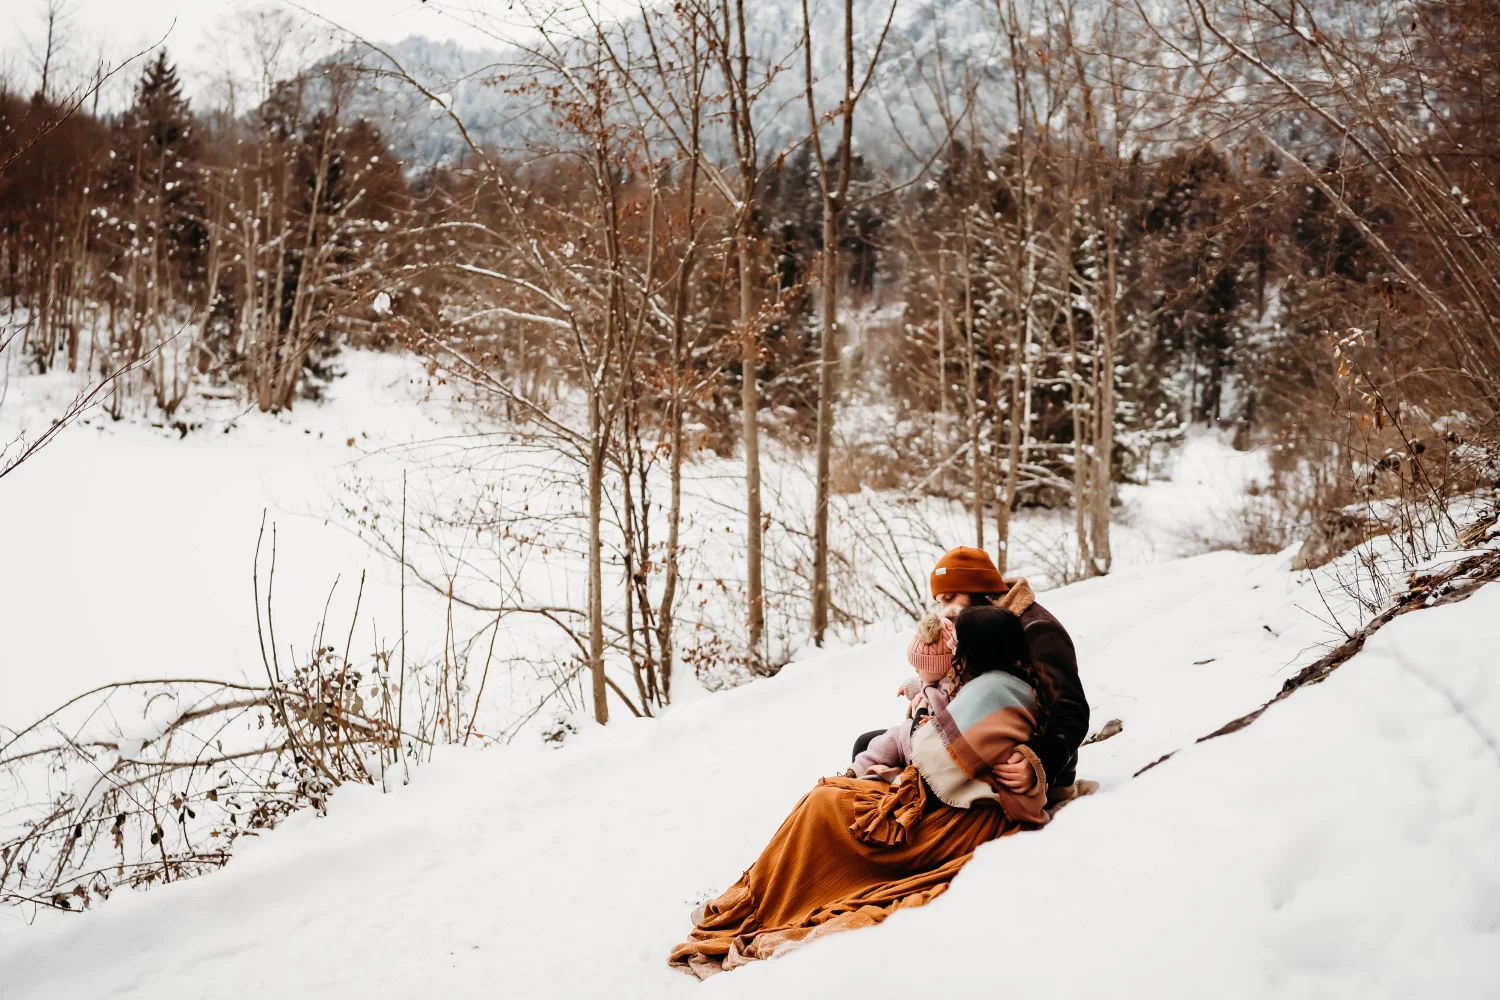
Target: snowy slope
{"x": 1341, "y": 846}
{"x": 128, "y": 551}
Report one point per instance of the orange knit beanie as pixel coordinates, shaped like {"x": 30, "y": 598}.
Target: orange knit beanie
{"x": 965, "y": 570}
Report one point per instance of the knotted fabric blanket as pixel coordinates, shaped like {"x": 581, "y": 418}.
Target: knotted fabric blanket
{"x": 958, "y": 748}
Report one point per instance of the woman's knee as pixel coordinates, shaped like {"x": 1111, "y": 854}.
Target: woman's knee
{"x": 826, "y": 805}
{"x": 863, "y": 743}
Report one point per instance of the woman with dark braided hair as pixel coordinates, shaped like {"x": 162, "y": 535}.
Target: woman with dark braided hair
{"x": 895, "y": 831}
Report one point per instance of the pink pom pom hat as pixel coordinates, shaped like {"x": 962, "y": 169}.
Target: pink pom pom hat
{"x": 931, "y": 649}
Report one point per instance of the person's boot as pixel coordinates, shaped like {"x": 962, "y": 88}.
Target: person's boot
{"x": 1060, "y": 795}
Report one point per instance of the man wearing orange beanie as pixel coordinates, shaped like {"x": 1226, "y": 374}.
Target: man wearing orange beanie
{"x": 966, "y": 576}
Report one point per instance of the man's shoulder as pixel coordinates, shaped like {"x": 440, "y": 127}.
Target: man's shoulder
{"x": 1037, "y": 616}
{"x": 1041, "y": 624}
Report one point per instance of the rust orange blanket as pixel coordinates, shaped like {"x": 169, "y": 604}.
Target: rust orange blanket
{"x": 851, "y": 853}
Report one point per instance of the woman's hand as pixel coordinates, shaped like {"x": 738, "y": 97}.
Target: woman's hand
{"x": 1017, "y": 774}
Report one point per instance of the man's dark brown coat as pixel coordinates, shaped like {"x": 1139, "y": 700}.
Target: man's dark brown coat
{"x": 1051, "y": 646}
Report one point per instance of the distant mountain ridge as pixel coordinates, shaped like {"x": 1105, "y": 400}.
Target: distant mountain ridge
{"x": 928, "y": 42}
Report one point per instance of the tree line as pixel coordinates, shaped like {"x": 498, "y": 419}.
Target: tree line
{"x": 1272, "y": 218}
{"x": 202, "y": 251}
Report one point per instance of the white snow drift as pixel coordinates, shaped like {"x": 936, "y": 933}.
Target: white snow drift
{"x": 1343, "y": 845}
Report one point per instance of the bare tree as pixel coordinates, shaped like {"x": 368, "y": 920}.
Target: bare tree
{"x": 734, "y": 66}
{"x": 834, "y": 192}
{"x": 55, "y": 16}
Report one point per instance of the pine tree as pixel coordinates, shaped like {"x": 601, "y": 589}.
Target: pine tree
{"x": 156, "y": 226}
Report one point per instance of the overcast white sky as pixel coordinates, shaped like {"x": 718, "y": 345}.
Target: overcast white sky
{"x": 203, "y": 39}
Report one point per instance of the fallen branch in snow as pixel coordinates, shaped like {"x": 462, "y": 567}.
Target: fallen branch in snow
{"x": 153, "y": 780}
{"x": 1111, "y": 728}
{"x": 1457, "y": 582}
{"x": 108, "y": 773}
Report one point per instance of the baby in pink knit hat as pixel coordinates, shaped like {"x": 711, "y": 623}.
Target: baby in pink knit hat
{"x": 935, "y": 683}
{"x": 931, "y": 655}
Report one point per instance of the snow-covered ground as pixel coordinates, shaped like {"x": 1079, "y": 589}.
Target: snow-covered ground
{"x": 1343, "y": 845}
{"x": 127, "y": 550}
{"x": 1340, "y": 846}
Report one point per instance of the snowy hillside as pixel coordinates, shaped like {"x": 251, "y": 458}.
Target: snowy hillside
{"x": 155, "y": 533}
{"x": 1341, "y": 846}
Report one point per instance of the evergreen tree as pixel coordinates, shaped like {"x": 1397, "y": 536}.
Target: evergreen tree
{"x": 153, "y": 185}
{"x": 162, "y": 138}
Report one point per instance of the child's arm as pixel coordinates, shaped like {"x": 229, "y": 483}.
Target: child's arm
{"x": 883, "y": 755}
{"x": 920, "y": 695}
{"x": 936, "y": 695}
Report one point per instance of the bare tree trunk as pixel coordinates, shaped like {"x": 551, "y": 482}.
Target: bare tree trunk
{"x": 665, "y": 617}
{"x": 596, "y": 544}
{"x": 289, "y": 373}
{"x": 634, "y": 518}
{"x": 749, "y": 406}
{"x": 1020, "y": 399}
{"x": 834, "y": 197}
{"x": 827, "y": 359}
{"x": 272, "y": 358}
{"x": 53, "y": 14}
{"x": 942, "y": 304}
{"x": 1007, "y": 504}
{"x": 750, "y": 401}
{"x": 976, "y": 462}
{"x": 1104, "y": 435}
{"x": 1075, "y": 404}
{"x": 1021, "y": 317}
{"x": 730, "y": 48}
